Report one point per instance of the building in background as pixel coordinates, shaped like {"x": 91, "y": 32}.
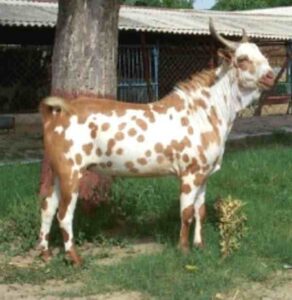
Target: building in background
{"x": 157, "y": 48}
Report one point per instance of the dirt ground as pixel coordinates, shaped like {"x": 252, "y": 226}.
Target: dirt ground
{"x": 48, "y": 289}
{"x": 277, "y": 287}
{"x": 33, "y": 292}
{"x": 254, "y": 126}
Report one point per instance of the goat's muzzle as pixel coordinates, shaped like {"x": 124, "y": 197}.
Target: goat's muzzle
{"x": 268, "y": 80}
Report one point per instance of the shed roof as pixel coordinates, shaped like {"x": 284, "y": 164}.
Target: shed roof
{"x": 276, "y": 11}
{"x": 266, "y": 23}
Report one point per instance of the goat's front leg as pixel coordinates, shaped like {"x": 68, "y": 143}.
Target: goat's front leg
{"x": 66, "y": 210}
{"x": 199, "y": 214}
{"x": 48, "y": 211}
{"x": 188, "y": 195}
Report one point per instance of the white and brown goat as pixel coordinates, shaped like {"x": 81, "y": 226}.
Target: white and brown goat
{"x": 183, "y": 134}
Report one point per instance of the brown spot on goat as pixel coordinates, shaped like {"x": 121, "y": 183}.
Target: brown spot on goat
{"x": 94, "y": 129}
{"x": 120, "y": 151}
{"x": 148, "y": 153}
{"x": 142, "y": 124}
{"x": 199, "y": 179}
{"x": 149, "y": 115}
{"x": 184, "y": 121}
{"x": 132, "y": 132}
{"x": 44, "y": 204}
{"x": 206, "y": 93}
{"x": 185, "y": 158}
{"x": 140, "y": 138}
{"x": 78, "y": 159}
{"x": 98, "y": 152}
{"x": 158, "y": 148}
{"x": 87, "y": 148}
{"x": 142, "y": 161}
{"x": 122, "y": 126}
{"x": 105, "y": 126}
{"x": 110, "y": 145}
{"x": 186, "y": 188}
{"x": 119, "y": 136}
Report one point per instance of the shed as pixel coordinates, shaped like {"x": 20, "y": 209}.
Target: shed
{"x": 157, "y": 48}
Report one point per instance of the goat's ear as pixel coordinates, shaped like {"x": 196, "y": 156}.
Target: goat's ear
{"x": 226, "y": 55}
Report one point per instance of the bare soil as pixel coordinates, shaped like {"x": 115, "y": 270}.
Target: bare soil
{"x": 34, "y": 292}
{"x": 48, "y": 290}
{"x": 260, "y": 125}
{"x": 277, "y": 287}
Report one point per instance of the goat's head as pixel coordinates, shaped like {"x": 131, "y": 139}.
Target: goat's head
{"x": 252, "y": 69}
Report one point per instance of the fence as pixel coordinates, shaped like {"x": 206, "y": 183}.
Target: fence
{"x": 145, "y": 74}
{"x": 138, "y": 73}
{"x": 176, "y": 63}
{"x": 24, "y": 77}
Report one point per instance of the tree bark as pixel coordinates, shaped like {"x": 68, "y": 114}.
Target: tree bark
{"x": 85, "y": 50}
{"x": 84, "y": 63}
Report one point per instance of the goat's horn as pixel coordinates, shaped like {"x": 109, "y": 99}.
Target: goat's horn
{"x": 230, "y": 44}
{"x": 245, "y": 38}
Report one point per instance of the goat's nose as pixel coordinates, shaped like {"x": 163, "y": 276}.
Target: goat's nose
{"x": 270, "y": 75}
{"x": 268, "y": 79}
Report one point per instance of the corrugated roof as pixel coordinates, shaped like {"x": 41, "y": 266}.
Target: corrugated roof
{"x": 258, "y": 23}
{"x": 278, "y": 11}
{"x": 196, "y": 22}
{"x": 27, "y": 13}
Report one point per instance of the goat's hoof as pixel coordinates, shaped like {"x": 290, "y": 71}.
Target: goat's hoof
{"x": 185, "y": 249}
{"x": 74, "y": 258}
{"x": 199, "y": 245}
{"x": 46, "y": 255}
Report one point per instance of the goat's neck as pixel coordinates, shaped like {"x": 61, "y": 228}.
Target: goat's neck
{"x": 228, "y": 98}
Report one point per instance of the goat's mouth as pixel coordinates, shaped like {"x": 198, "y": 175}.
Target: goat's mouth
{"x": 266, "y": 84}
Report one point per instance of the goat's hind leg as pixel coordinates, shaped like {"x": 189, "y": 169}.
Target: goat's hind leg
{"x": 67, "y": 205}
{"x": 48, "y": 211}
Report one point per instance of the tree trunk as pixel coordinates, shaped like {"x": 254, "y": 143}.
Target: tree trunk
{"x": 85, "y": 51}
{"x": 84, "y": 63}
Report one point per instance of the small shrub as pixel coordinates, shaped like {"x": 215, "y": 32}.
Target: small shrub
{"x": 232, "y": 224}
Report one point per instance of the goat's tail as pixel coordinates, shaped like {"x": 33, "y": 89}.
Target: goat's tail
{"x": 54, "y": 105}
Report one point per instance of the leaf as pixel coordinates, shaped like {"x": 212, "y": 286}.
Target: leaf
{"x": 191, "y": 268}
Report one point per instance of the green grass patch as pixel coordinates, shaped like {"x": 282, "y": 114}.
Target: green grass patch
{"x": 260, "y": 175}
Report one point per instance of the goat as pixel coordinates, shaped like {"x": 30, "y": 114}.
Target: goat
{"x": 183, "y": 134}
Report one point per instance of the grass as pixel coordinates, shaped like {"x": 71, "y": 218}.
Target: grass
{"x": 260, "y": 174}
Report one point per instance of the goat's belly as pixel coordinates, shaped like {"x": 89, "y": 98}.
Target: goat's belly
{"x": 133, "y": 167}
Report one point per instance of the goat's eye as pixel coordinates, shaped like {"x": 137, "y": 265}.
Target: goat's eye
{"x": 242, "y": 59}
